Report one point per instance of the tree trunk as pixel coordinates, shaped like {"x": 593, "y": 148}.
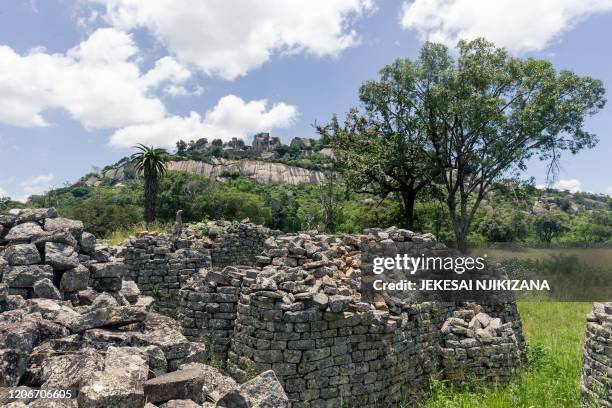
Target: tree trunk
{"x": 408, "y": 199}
{"x": 150, "y": 198}
{"x": 462, "y": 244}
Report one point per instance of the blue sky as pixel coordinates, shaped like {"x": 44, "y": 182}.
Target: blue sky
{"x": 82, "y": 81}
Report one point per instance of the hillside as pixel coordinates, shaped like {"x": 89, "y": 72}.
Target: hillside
{"x": 284, "y": 187}
{"x": 266, "y": 160}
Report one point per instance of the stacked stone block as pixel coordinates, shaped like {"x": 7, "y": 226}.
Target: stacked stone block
{"x": 46, "y": 256}
{"x": 596, "y": 383}
{"x": 161, "y": 265}
{"x": 236, "y": 243}
{"x": 473, "y": 344}
{"x": 208, "y": 305}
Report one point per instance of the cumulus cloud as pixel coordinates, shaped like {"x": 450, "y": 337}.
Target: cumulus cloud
{"x": 231, "y": 117}
{"x": 228, "y": 38}
{"x": 519, "y": 25}
{"x": 572, "y": 185}
{"x": 98, "y": 82}
{"x": 36, "y": 185}
{"x": 610, "y": 191}
{"x": 3, "y": 192}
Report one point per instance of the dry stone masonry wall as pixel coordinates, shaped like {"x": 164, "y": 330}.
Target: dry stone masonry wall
{"x": 300, "y": 312}
{"x": 596, "y": 384}
{"x": 161, "y": 265}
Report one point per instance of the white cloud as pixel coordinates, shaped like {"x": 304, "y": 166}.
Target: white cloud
{"x": 519, "y": 25}
{"x": 231, "y": 37}
{"x": 98, "y": 82}
{"x": 3, "y": 192}
{"x": 231, "y": 117}
{"x": 572, "y": 185}
{"x": 610, "y": 191}
{"x": 36, "y": 185}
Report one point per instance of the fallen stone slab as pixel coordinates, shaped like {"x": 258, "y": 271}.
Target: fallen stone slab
{"x": 27, "y": 276}
{"x": 181, "y": 384}
{"x": 130, "y": 291}
{"x": 44, "y": 289}
{"x": 52, "y": 369}
{"x": 107, "y": 270}
{"x": 25, "y": 232}
{"x": 120, "y": 384}
{"x": 32, "y": 214}
{"x": 183, "y": 403}
{"x": 75, "y": 279}
{"x": 60, "y": 256}
{"x": 64, "y": 224}
{"x": 216, "y": 384}
{"x": 87, "y": 243}
{"x": 13, "y": 364}
{"x": 263, "y": 391}
{"x": 165, "y": 333}
{"x": 22, "y": 254}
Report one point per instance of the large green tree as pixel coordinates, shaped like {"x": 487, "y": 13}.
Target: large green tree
{"x": 381, "y": 147}
{"x": 150, "y": 162}
{"x": 487, "y": 113}
{"x": 470, "y": 119}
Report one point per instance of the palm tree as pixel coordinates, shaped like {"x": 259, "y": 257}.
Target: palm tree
{"x": 150, "y": 163}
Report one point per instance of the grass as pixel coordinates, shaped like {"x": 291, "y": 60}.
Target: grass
{"x": 554, "y": 332}
{"x": 591, "y": 256}
{"x": 120, "y": 236}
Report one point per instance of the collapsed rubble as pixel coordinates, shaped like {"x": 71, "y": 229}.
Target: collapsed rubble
{"x": 69, "y": 321}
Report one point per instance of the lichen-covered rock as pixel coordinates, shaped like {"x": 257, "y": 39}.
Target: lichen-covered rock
{"x": 263, "y": 391}
{"x": 27, "y": 276}
{"x": 22, "y": 254}
{"x": 61, "y": 257}
{"x": 181, "y": 384}
{"x": 25, "y": 232}
{"x": 75, "y": 279}
{"x": 216, "y": 384}
{"x": 44, "y": 289}
{"x": 130, "y": 291}
{"x": 64, "y": 224}
{"x": 87, "y": 243}
{"x": 32, "y": 214}
{"x": 120, "y": 384}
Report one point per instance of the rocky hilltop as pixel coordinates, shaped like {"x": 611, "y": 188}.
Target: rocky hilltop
{"x": 252, "y": 161}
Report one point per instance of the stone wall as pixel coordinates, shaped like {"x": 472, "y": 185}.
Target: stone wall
{"x": 236, "y": 243}
{"x": 301, "y": 312}
{"x": 596, "y": 383}
{"x": 161, "y": 265}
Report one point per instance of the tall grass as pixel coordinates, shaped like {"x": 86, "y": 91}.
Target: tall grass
{"x": 121, "y": 235}
{"x": 554, "y": 332}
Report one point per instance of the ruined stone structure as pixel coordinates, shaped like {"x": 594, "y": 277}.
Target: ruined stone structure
{"x": 596, "y": 383}
{"x": 300, "y": 313}
{"x": 71, "y": 323}
{"x": 160, "y": 266}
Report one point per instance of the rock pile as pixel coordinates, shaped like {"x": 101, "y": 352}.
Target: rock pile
{"x": 596, "y": 383}
{"x": 475, "y": 344}
{"x": 44, "y": 256}
{"x": 69, "y": 321}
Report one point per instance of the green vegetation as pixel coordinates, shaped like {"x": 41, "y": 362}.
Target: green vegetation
{"x": 462, "y": 124}
{"x": 554, "y": 332}
{"x": 151, "y": 164}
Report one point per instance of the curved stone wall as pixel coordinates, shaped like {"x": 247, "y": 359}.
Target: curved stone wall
{"x": 596, "y": 383}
